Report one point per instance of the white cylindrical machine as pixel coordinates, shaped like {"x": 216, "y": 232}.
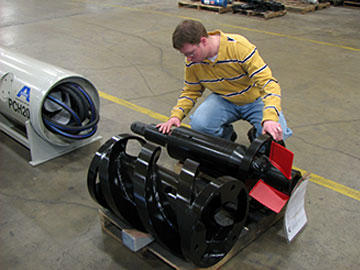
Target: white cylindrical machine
{"x": 60, "y": 106}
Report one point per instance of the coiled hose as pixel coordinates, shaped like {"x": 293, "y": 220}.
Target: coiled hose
{"x": 70, "y": 112}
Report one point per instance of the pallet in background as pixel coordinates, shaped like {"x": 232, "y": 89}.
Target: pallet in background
{"x": 200, "y": 6}
{"x": 263, "y": 14}
{"x": 298, "y": 6}
{"x": 355, "y": 4}
{"x": 258, "y": 222}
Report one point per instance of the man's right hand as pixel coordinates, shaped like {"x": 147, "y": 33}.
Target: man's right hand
{"x": 166, "y": 127}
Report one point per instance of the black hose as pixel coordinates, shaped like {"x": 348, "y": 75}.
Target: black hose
{"x": 83, "y": 115}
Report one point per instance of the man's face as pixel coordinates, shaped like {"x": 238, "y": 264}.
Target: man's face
{"x": 193, "y": 53}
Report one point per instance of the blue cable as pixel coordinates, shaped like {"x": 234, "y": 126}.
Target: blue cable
{"x": 72, "y": 136}
{"x": 74, "y": 114}
{"x": 64, "y": 130}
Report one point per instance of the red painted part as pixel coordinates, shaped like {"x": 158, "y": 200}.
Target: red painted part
{"x": 281, "y": 158}
{"x": 269, "y": 196}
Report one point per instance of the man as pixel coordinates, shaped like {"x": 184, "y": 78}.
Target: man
{"x": 242, "y": 85}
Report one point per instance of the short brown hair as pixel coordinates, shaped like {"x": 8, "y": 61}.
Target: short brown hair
{"x": 188, "y": 31}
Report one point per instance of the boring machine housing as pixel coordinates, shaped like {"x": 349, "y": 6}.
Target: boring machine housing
{"x": 199, "y": 213}
{"x": 49, "y": 110}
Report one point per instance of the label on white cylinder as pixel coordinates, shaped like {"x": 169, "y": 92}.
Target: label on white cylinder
{"x": 19, "y": 108}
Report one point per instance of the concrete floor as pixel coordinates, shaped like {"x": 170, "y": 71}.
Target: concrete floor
{"x": 47, "y": 218}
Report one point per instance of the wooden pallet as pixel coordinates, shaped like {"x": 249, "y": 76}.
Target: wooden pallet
{"x": 266, "y": 14}
{"x": 300, "y": 7}
{"x": 119, "y": 230}
{"x": 200, "y": 6}
{"x": 258, "y": 222}
{"x": 355, "y": 4}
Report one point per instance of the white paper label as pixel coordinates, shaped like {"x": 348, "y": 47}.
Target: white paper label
{"x": 295, "y": 216}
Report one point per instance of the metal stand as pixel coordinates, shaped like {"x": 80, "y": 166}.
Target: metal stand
{"x": 40, "y": 149}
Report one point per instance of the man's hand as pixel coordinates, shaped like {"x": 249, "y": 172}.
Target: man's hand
{"x": 274, "y": 129}
{"x": 166, "y": 127}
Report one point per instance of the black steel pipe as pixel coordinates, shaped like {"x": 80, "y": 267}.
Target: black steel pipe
{"x": 218, "y": 156}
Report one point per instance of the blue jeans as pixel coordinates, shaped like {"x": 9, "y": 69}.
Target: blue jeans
{"x": 215, "y": 115}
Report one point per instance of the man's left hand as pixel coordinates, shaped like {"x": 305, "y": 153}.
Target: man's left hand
{"x": 274, "y": 129}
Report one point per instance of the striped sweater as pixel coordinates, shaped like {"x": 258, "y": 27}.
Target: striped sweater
{"x": 238, "y": 74}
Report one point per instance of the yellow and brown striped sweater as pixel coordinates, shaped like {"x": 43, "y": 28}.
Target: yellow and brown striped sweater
{"x": 238, "y": 74}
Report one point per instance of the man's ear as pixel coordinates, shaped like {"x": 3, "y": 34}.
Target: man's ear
{"x": 204, "y": 41}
